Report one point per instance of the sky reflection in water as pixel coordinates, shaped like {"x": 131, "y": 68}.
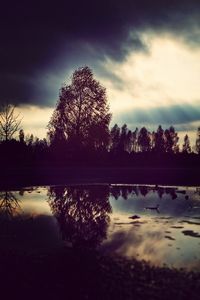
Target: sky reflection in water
{"x": 165, "y": 228}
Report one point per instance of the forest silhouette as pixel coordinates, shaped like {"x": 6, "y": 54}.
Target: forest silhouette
{"x": 79, "y": 135}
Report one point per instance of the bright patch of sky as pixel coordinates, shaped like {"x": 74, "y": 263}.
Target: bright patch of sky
{"x": 169, "y": 74}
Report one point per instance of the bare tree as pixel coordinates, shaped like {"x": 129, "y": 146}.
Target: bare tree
{"x": 9, "y": 122}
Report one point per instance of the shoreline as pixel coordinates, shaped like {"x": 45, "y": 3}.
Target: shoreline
{"x": 41, "y": 176}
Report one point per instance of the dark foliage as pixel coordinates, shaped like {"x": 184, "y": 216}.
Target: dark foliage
{"x": 81, "y": 118}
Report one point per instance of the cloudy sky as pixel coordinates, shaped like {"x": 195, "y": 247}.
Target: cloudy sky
{"x": 146, "y": 54}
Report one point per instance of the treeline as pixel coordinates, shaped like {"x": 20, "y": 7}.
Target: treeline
{"x": 160, "y": 141}
{"x": 125, "y": 147}
{"x": 79, "y": 134}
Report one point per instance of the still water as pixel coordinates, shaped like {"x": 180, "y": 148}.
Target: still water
{"x": 157, "y": 224}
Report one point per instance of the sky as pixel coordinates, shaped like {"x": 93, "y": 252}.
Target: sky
{"x": 145, "y": 53}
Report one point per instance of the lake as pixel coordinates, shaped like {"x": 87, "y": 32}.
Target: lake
{"x": 158, "y": 224}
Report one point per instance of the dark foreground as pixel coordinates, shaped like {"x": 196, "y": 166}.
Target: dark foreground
{"x": 76, "y": 274}
{"x": 71, "y": 175}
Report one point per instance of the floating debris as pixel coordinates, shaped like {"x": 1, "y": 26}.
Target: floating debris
{"x": 134, "y": 217}
{"x": 177, "y": 227}
{"x": 153, "y": 208}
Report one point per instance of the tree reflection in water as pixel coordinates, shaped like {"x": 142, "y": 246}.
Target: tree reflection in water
{"x": 9, "y": 205}
{"x": 125, "y": 192}
{"x": 9, "y": 215}
{"x": 82, "y": 213}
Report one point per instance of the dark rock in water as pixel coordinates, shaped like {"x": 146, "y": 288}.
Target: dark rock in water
{"x": 191, "y": 233}
{"x": 134, "y": 217}
{"x": 169, "y": 238}
{"x": 189, "y": 222}
{"x": 181, "y": 191}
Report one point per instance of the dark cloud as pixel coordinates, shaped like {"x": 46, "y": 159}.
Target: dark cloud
{"x": 169, "y": 115}
{"x": 39, "y": 38}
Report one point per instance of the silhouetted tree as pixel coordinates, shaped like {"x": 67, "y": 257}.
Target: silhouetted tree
{"x": 129, "y": 141}
{"x": 153, "y": 139}
{"x": 135, "y": 140}
{"x": 186, "y": 145}
{"x": 175, "y": 139}
{"x": 98, "y": 137}
{"x": 144, "y": 140}
{"x": 115, "y": 137}
{"x": 9, "y": 122}
{"x": 29, "y": 140}
{"x": 21, "y": 136}
{"x": 159, "y": 140}
{"x": 171, "y": 140}
{"x": 82, "y": 115}
{"x": 82, "y": 213}
{"x": 197, "y": 146}
{"x": 40, "y": 144}
{"x": 123, "y": 138}
{"x": 168, "y": 141}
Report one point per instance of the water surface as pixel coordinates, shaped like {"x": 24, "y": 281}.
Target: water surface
{"x": 153, "y": 223}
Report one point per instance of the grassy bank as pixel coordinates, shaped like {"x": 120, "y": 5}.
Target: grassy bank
{"x": 76, "y": 274}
